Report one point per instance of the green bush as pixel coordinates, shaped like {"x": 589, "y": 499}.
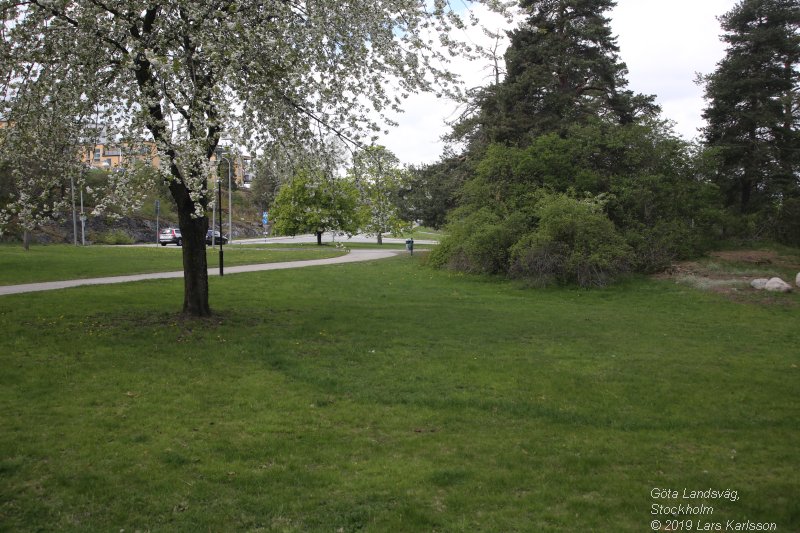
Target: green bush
{"x": 480, "y": 242}
{"x": 575, "y": 242}
{"x": 657, "y": 246}
{"x": 113, "y": 237}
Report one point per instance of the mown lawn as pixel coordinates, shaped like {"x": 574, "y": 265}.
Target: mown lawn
{"x": 63, "y": 262}
{"x": 386, "y": 396}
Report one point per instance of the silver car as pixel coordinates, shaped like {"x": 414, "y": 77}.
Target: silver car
{"x": 170, "y": 236}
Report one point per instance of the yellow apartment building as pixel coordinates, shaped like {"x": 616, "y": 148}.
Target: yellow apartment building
{"x": 106, "y": 156}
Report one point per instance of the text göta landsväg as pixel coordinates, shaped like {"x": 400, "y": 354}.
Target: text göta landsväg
{"x": 683, "y": 508}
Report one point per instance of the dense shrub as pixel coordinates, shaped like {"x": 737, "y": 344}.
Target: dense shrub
{"x": 480, "y": 242}
{"x": 601, "y": 198}
{"x": 116, "y": 236}
{"x": 574, "y": 242}
{"x": 657, "y": 246}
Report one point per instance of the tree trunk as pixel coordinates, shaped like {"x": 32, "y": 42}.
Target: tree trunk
{"x": 26, "y": 240}
{"x": 319, "y": 238}
{"x": 193, "y": 230}
{"x": 380, "y": 238}
{"x": 195, "y": 267}
{"x": 195, "y": 263}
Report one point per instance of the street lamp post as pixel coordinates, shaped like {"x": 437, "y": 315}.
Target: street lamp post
{"x": 83, "y": 222}
{"x": 158, "y": 212}
{"x": 230, "y": 202}
{"x": 74, "y": 213}
{"x": 219, "y": 201}
{"x": 214, "y": 221}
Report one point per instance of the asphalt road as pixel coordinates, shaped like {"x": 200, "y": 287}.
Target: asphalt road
{"x": 329, "y": 238}
{"x": 351, "y": 257}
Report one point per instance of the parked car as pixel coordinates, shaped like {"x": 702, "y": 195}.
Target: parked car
{"x": 170, "y": 236}
{"x": 217, "y": 237}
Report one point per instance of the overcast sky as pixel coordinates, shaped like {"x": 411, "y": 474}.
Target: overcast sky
{"x": 663, "y": 43}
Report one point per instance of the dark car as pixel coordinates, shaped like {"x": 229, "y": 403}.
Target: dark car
{"x": 217, "y": 237}
{"x": 170, "y": 236}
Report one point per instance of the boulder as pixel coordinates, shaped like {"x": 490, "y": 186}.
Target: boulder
{"x": 759, "y": 284}
{"x": 797, "y": 280}
{"x": 777, "y": 285}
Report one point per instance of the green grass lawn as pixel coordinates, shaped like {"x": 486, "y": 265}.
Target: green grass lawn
{"x": 386, "y": 396}
{"x": 421, "y": 232}
{"x": 62, "y": 262}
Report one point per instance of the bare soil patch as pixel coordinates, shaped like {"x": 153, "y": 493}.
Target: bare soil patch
{"x": 730, "y": 272}
{"x": 756, "y": 257}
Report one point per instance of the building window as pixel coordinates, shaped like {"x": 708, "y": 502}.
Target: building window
{"x": 97, "y": 154}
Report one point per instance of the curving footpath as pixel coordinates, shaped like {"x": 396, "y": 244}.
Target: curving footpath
{"x": 352, "y": 257}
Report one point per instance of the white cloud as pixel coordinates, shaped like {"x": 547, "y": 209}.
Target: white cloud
{"x": 417, "y": 138}
{"x": 664, "y": 45}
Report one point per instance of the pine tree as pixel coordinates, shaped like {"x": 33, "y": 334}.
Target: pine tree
{"x": 562, "y": 68}
{"x": 752, "y": 114}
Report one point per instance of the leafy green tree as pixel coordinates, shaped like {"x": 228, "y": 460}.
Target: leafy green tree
{"x": 313, "y": 202}
{"x": 182, "y": 72}
{"x": 277, "y": 167}
{"x": 573, "y": 177}
{"x": 430, "y": 192}
{"x": 379, "y": 178}
{"x": 651, "y": 183}
{"x": 753, "y": 113}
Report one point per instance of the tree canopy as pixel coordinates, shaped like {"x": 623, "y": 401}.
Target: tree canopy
{"x": 753, "y": 112}
{"x": 185, "y": 73}
{"x": 562, "y": 68}
{"x": 377, "y": 174}
{"x": 316, "y": 202}
{"x": 571, "y": 176}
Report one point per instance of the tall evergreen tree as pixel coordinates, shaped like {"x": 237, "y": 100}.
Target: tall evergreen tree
{"x": 574, "y": 177}
{"x": 753, "y": 103}
{"x": 562, "y": 68}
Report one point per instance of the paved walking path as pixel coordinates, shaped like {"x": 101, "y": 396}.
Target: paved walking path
{"x": 352, "y": 257}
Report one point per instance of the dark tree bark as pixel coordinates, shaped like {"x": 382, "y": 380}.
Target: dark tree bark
{"x": 193, "y": 230}
{"x": 319, "y": 238}
{"x": 195, "y": 263}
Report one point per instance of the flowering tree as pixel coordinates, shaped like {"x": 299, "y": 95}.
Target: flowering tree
{"x": 379, "y": 178}
{"x": 38, "y": 165}
{"x": 183, "y": 73}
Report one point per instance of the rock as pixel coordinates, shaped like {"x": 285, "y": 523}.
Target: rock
{"x": 777, "y": 285}
{"x": 797, "y": 280}
{"x": 759, "y": 284}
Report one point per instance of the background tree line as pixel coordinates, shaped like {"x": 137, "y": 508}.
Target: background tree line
{"x": 567, "y": 176}
{"x": 310, "y": 193}
{"x": 184, "y": 74}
